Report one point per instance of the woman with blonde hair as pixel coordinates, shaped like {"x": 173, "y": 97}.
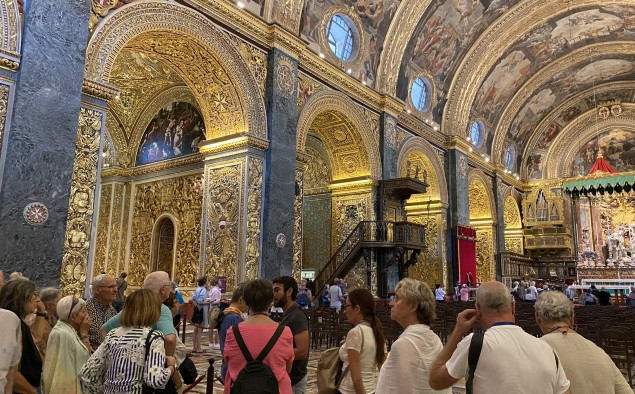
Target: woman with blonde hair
{"x": 363, "y": 351}
{"x": 132, "y": 355}
{"x": 407, "y": 368}
{"x": 68, "y": 347}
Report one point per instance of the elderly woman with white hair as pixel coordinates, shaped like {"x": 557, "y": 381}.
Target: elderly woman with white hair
{"x": 554, "y": 315}
{"x": 407, "y": 368}
{"x": 68, "y": 347}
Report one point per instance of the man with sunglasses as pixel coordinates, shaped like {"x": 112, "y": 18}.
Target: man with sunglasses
{"x": 100, "y": 308}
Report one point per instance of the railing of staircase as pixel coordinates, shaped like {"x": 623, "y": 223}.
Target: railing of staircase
{"x": 338, "y": 257}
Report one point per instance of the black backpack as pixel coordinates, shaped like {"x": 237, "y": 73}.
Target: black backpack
{"x": 256, "y": 377}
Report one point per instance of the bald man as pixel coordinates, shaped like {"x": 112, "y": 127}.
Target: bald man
{"x": 510, "y": 359}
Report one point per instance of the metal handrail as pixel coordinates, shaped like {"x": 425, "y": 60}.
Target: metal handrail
{"x": 381, "y": 232}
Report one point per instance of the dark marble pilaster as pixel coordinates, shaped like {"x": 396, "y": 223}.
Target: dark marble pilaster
{"x": 42, "y": 137}
{"x": 388, "y": 146}
{"x": 499, "y": 196}
{"x": 279, "y": 187}
{"x": 456, "y": 169}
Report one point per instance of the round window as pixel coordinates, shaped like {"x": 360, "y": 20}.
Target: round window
{"x": 419, "y": 93}
{"x": 510, "y": 157}
{"x": 476, "y": 133}
{"x": 339, "y": 33}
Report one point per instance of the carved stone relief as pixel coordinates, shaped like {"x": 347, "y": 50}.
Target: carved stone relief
{"x": 180, "y": 198}
{"x": 80, "y": 210}
{"x": 4, "y": 104}
{"x": 307, "y": 86}
{"x": 254, "y": 215}
{"x": 297, "y": 223}
{"x": 348, "y": 211}
{"x": 485, "y": 270}
{"x": 115, "y": 237}
{"x": 429, "y": 263}
{"x": 103, "y": 224}
{"x": 511, "y": 214}
{"x": 224, "y": 197}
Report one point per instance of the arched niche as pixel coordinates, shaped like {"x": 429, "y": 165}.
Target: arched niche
{"x": 164, "y": 241}
{"x": 482, "y": 218}
{"x": 513, "y": 225}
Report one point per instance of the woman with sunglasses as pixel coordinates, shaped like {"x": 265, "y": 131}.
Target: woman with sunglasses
{"x": 363, "y": 351}
{"x": 68, "y": 348}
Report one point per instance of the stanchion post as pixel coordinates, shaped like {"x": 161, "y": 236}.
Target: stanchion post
{"x": 211, "y": 377}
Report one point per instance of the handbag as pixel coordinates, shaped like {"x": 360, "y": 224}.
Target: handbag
{"x": 170, "y": 387}
{"x": 329, "y": 370}
{"x": 197, "y": 316}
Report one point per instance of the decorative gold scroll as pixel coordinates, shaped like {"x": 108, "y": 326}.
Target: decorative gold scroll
{"x": 81, "y": 201}
{"x": 254, "y": 215}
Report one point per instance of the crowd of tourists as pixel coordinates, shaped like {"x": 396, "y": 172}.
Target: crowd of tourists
{"x": 52, "y": 343}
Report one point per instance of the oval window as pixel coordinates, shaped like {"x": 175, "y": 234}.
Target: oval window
{"x": 476, "y": 133}
{"x": 339, "y": 33}
{"x": 510, "y": 157}
{"x": 419, "y": 93}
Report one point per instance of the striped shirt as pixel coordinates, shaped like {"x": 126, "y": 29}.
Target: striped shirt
{"x": 119, "y": 363}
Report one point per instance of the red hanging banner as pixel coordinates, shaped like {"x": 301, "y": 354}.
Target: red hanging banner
{"x": 466, "y": 246}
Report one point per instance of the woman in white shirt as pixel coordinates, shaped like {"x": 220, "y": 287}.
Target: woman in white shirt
{"x": 439, "y": 293}
{"x": 363, "y": 350}
{"x": 407, "y": 368}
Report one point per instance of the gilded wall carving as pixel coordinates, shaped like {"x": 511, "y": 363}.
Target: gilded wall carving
{"x": 80, "y": 210}
{"x": 142, "y": 22}
{"x": 429, "y": 263}
{"x": 348, "y": 211}
{"x": 373, "y": 121}
{"x": 115, "y": 238}
{"x": 357, "y": 276}
{"x": 256, "y": 61}
{"x": 181, "y": 198}
{"x": 221, "y": 104}
{"x": 287, "y": 13}
{"x": 514, "y": 245}
{"x": 11, "y": 37}
{"x": 317, "y": 175}
{"x": 485, "y": 268}
{"x": 4, "y": 105}
{"x": 297, "y": 223}
{"x": 307, "y": 86}
{"x": 224, "y": 197}
{"x": 103, "y": 224}
{"x": 285, "y": 75}
{"x": 511, "y": 214}
{"x": 254, "y": 215}
{"x": 316, "y": 231}
{"x": 479, "y": 201}
{"x": 417, "y": 165}
{"x": 345, "y": 132}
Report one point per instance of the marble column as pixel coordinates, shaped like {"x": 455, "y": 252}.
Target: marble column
{"x": 280, "y": 185}
{"x": 499, "y": 196}
{"x": 456, "y": 170}
{"x": 40, "y": 145}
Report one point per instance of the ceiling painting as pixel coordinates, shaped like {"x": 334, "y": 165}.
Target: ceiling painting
{"x": 558, "y": 89}
{"x": 374, "y": 16}
{"x": 617, "y": 146}
{"x": 541, "y": 46}
{"x": 445, "y": 33}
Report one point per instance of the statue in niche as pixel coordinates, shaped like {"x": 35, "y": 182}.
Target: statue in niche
{"x": 417, "y": 169}
{"x": 425, "y": 178}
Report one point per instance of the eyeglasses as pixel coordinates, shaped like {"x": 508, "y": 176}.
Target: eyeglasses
{"x": 73, "y": 304}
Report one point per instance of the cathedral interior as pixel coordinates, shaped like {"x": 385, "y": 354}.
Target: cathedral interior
{"x": 443, "y": 140}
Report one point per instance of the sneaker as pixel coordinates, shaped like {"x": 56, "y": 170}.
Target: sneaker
{"x": 214, "y": 346}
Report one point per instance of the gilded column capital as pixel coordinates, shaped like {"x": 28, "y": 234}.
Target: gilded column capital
{"x": 99, "y": 90}
{"x": 236, "y": 143}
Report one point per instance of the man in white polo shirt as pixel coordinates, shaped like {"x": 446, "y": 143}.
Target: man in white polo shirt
{"x": 510, "y": 361}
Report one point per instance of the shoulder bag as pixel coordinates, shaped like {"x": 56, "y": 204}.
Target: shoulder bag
{"x": 329, "y": 370}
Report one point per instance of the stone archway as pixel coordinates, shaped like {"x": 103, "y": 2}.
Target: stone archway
{"x": 195, "y": 47}
{"x": 331, "y": 124}
{"x": 429, "y": 209}
{"x": 482, "y": 218}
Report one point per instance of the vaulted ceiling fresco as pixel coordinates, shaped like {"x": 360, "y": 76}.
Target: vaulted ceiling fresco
{"x": 447, "y": 29}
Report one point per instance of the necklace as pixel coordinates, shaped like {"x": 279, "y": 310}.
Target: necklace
{"x": 557, "y": 328}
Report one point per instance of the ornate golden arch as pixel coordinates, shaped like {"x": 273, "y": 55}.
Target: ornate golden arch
{"x": 11, "y": 35}
{"x": 483, "y": 219}
{"x": 331, "y": 101}
{"x": 481, "y": 196}
{"x": 586, "y": 126}
{"x": 143, "y": 18}
{"x": 436, "y": 175}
